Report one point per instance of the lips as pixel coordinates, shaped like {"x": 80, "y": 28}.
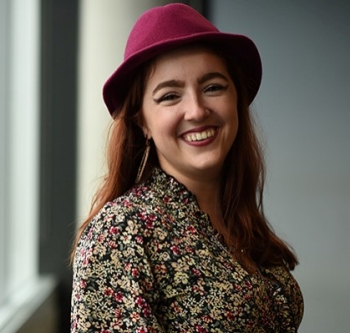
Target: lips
{"x": 200, "y": 135}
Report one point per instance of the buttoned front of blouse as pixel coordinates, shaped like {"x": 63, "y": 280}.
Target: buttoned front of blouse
{"x": 150, "y": 261}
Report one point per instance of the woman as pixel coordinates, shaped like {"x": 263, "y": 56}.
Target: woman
{"x": 177, "y": 240}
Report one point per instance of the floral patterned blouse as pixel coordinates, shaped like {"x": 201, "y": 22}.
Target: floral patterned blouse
{"x": 150, "y": 261}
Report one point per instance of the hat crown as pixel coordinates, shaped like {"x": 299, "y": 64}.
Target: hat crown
{"x": 161, "y": 24}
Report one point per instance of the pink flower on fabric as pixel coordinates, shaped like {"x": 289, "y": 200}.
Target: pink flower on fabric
{"x": 118, "y": 296}
{"x": 135, "y": 272}
{"x": 175, "y": 249}
{"x": 114, "y": 230}
{"x": 201, "y": 329}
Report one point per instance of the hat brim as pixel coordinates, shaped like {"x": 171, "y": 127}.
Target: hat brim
{"x": 240, "y": 48}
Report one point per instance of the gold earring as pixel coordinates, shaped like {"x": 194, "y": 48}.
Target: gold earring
{"x": 143, "y": 160}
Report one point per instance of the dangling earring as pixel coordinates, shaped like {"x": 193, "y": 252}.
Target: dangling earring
{"x": 143, "y": 160}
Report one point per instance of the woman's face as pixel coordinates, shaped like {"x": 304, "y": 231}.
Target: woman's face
{"x": 190, "y": 111}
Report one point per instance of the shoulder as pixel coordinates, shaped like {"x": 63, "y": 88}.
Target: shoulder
{"x": 117, "y": 233}
{"x": 117, "y": 218}
{"x": 130, "y": 219}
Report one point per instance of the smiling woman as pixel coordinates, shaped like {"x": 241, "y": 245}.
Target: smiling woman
{"x": 177, "y": 240}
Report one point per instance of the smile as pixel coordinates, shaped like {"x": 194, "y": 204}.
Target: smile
{"x": 199, "y": 136}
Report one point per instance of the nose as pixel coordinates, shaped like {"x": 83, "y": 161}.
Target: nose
{"x": 195, "y": 109}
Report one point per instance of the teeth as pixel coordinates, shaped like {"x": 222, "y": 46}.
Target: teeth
{"x": 200, "y": 136}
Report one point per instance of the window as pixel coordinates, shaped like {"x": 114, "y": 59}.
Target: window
{"x": 3, "y": 144}
{"x": 38, "y": 49}
{"x": 19, "y": 148}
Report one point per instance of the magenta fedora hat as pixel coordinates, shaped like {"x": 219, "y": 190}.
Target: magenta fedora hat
{"x": 164, "y": 28}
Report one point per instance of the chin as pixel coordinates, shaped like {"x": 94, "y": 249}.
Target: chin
{"x": 209, "y": 168}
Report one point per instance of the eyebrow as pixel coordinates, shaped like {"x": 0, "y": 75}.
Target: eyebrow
{"x": 212, "y": 75}
{"x": 180, "y": 84}
{"x": 170, "y": 83}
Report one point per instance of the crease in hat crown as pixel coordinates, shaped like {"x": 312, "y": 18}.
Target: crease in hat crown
{"x": 163, "y": 28}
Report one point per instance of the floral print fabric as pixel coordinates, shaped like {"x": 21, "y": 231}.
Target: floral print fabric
{"x": 150, "y": 261}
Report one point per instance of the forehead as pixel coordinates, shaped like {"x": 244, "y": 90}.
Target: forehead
{"x": 188, "y": 57}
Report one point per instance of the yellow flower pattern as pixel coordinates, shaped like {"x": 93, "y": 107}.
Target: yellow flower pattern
{"x": 150, "y": 261}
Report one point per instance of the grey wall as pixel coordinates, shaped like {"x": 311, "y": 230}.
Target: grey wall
{"x": 303, "y": 109}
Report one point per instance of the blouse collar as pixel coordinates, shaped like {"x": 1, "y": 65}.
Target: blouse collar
{"x": 171, "y": 189}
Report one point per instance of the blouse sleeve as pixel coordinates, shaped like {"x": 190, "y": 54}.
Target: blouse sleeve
{"x": 113, "y": 285}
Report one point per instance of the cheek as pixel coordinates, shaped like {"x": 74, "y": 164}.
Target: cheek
{"x": 231, "y": 117}
{"x": 233, "y": 124}
{"x": 163, "y": 125}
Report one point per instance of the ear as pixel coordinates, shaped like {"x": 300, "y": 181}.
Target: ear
{"x": 142, "y": 124}
{"x": 146, "y": 132}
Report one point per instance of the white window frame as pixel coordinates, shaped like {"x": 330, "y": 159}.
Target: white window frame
{"x": 19, "y": 153}
{"x": 3, "y": 143}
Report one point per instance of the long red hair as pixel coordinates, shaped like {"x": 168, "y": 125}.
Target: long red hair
{"x": 241, "y": 186}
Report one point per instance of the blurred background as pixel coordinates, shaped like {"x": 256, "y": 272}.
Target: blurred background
{"x": 54, "y": 58}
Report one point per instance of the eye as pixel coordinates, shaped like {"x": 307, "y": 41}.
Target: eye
{"x": 167, "y": 98}
{"x": 214, "y": 88}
